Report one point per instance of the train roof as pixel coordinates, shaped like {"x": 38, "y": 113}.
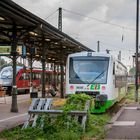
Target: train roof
{"x": 85, "y": 53}
{"x": 11, "y": 67}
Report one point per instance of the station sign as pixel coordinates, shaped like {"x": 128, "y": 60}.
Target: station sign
{"x": 5, "y": 50}
{"x": 19, "y": 50}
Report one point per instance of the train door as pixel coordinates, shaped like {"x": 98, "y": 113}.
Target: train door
{"x": 23, "y": 82}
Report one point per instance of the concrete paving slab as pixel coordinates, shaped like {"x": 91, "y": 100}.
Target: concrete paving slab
{"x": 9, "y": 119}
{"x": 126, "y": 132}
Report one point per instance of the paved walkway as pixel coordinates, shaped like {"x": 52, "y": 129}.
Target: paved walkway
{"x": 126, "y": 124}
{"x": 9, "y": 119}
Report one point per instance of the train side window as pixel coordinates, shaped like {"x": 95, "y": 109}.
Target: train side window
{"x": 39, "y": 75}
{"x": 114, "y": 68}
{"x": 27, "y": 77}
{"x": 24, "y": 76}
{"x": 36, "y": 76}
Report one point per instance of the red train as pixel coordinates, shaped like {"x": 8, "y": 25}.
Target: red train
{"x": 23, "y": 79}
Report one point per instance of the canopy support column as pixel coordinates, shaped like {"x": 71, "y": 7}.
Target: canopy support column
{"x": 43, "y": 60}
{"x": 14, "y": 106}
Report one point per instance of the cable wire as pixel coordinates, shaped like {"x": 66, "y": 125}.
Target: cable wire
{"x": 99, "y": 20}
{"x": 51, "y": 14}
{"x": 112, "y": 45}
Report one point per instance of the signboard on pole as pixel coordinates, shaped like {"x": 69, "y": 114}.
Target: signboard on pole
{"x": 19, "y": 50}
{"x": 5, "y": 50}
{"x": 23, "y": 51}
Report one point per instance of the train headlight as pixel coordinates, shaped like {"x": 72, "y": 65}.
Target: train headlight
{"x": 71, "y": 87}
{"x": 103, "y": 88}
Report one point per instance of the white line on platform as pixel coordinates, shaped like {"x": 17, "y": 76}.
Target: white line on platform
{"x": 124, "y": 123}
{"x": 3, "y": 120}
{"x": 133, "y": 108}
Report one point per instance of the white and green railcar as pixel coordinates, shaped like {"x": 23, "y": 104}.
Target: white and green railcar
{"x": 97, "y": 74}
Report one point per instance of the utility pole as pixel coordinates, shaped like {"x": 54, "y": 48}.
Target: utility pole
{"x": 119, "y": 56}
{"x": 98, "y": 46}
{"x": 60, "y": 19}
{"x": 137, "y": 45}
{"x": 61, "y": 65}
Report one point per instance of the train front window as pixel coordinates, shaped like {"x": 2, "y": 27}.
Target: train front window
{"x": 7, "y": 73}
{"x": 88, "y": 70}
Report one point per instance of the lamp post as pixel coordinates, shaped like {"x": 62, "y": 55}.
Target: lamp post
{"x": 137, "y": 44}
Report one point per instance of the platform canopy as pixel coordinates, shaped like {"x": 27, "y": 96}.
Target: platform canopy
{"x": 33, "y": 31}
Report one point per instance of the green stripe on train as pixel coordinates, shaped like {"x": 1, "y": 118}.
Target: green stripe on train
{"x": 101, "y": 108}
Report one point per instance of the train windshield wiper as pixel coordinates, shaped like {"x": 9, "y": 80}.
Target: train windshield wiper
{"x": 97, "y": 77}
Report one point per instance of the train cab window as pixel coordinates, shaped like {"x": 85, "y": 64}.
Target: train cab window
{"x": 7, "y": 73}
{"x": 34, "y": 76}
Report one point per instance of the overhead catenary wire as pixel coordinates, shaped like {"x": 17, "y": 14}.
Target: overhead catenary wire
{"x": 99, "y": 20}
{"x": 51, "y": 14}
{"x": 114, "y": 46}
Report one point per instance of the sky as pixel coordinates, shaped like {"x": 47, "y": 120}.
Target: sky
{"x": 112, "y": 22}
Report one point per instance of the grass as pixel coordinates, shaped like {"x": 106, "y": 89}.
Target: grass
{"x": 95, "y": 126}
{"x": 59, "y": 129}
{"x": 37, "y": 134}
{"x": 130, "y": 97}
{"x": 95, "y": 129}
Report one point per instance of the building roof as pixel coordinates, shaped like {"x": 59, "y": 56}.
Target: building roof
{"x": 33, "y": 31}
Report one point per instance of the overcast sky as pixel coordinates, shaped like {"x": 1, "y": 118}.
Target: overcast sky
{"x": 91, "y": 20}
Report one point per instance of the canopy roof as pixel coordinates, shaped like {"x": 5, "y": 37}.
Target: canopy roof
{"x": 33, "y": 31}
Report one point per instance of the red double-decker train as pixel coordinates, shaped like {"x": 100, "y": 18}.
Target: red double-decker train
{"x": 23, "y": 78}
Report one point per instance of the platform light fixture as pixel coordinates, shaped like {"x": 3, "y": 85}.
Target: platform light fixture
{"x": 28, "y": 53}
{"x": 33, "y": 33}
{"x": 37, "y": 55}
{"x": 47, "y": 39}
{"x": 2, "y": 19}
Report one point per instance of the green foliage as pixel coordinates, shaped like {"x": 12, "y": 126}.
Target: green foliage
{"x": 96, "y": 126}
{"x": 132, "y": 71}
{"x": 130, "y": 97}
{"x": 76, "y": 102}
{"x": 19, "y": 134}
{"x": 62, "y": 127}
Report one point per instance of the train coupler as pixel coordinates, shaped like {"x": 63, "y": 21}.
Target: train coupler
{"x": 100, "y": 100}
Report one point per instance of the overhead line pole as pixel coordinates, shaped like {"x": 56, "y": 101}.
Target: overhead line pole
{"x": 98, "y": 46}
{"x": 61, "y": 65}
{"x": 137, "y": 44}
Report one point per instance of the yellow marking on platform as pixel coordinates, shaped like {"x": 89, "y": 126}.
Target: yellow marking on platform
{"x": 59, "y": 102}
